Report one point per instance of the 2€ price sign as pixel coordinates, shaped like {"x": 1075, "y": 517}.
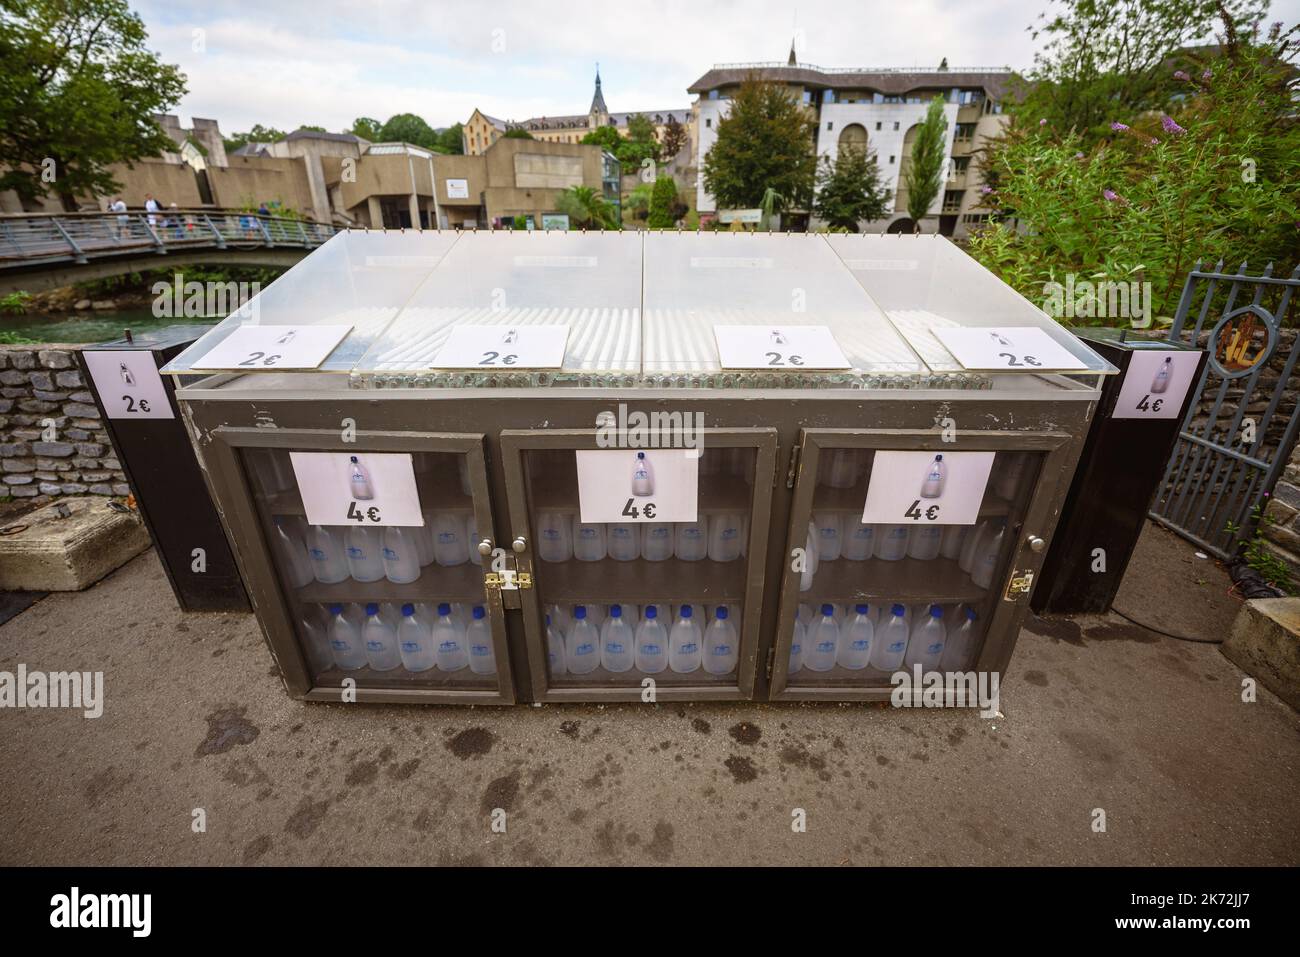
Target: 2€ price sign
{"x": 129, "y": 385}
{"x": 357, "y": 488}
{"x": 778, "y": 348}
{"x": 503, "y": 347}
{"x": 1006, "y": 349}
{"x": 273, "y": 348}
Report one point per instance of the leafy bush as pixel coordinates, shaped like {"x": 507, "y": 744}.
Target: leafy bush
{"x": 15, "y": 303}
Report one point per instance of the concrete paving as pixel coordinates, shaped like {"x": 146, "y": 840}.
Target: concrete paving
{"x": 1098, "y": 713}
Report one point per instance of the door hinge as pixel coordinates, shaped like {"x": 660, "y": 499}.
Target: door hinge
{"x": 1020, "y": 585}
{"x": 794, "y": 467}
{"x": 771, "y": 662}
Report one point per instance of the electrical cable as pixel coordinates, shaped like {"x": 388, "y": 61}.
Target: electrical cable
{"x": 1167, "y": 634}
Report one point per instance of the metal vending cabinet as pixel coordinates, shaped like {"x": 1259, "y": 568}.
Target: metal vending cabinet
{"x": 587, "y": 431}
{"x": 1133, "y": 433}
{"x": 139, "y": 411}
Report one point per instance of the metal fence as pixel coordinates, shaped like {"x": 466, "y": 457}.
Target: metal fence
{"x": 1242, "y": 422}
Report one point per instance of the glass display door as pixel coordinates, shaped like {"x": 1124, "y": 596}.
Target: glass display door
{"x": 642, "y": 566}
{"x": 367, "y": 559}
{"x": 906, "y": 550}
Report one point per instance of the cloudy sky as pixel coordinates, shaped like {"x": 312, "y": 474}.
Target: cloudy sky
{"x": 283, "y": 63}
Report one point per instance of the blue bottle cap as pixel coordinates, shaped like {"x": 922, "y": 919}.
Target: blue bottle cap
{"x": 478, "y": 612}
{"x": 641, "y": 455}
{"x": 828, "y": 609}
{"x": 898, "y": 610}
{"x": 354, "y": 458}
{"x": 408, "y": 609}
{"x": 936, "y": 611}
{"x": 686, "y": 611}
{"x": 720, "y": 613}
{"x": 938, "y": 458}
{"x": 615, "y": 611}
{"x": 444, "y": 608}
{"x": 548, "y": 621}
{"x": 861, "y": 609}
{"x": 970, "y": 614}
{"x": 580, "y": 612}
{"x": 651, "y": 611}
{"x": 336, "y": 609}
{"x": 372, "y": 609}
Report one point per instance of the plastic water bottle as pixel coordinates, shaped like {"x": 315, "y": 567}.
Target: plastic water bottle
{"x": 842, "y": 470}
{"x": 986, "y": 557}
{"x": 693, "y": 539}
{"x": 924, "y": 542}
{"x": 401, "y": 555}
{"x": 959, "y": 652}
{"x": 810, "y": 559}
{"x": 449, "y": 545}
{"x": 295, "y": 563}
{"x": 932, "y": 486}
{"x": 891, "y": 641}
{"x": 414, "y": 641}
{"x": 954, "y": 536}
{"x": 823, "y": 642}
{"x": 796, "y": 648}
{"x": 329, "y": 557}
{"x": 423, "y": 542}
{"x": 345, "y": 641}
{"x": 651, "y": 643}
{"x": 1010, "y": 470}
{"x": 657, "y": 541}
{"x": 966, "y": 560}
{"x": 559, "y": 616}
{"x": 471, "y": 539}
{"x": 925, "y": 647}
{"x": 855, "y": 642}
{"x": 617, "y": 642}
{"x": 316, "y": 640}
{"x": 624, "y": 541}
{"x": 554, "y": 537}
{"x": 359, "y": 482}
{"x": 582, "y": 648}
{"x": 380, "y": 640}
{"x": 725, "y": 534}
{"x": 462, "y": 470}
{"x": 684, "y": 642}
{"x": 721, "y": 647}
{"x": 859, "y": 541}
{"x": 482, "y": 658}
{"x": 1161, "y": 381}
{"x": 588, "y": 540}
{"x": 891, "y": 542}
{"x": 830, "y": 531}
{"x": 365, "y": 554}
{"x": 449, "y": 641}
{"x": 555, "y": 649}
{"x": 643, "y": 476}
{"x": 595, "y": 614}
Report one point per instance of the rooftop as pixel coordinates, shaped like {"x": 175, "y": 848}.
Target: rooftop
{"x": 881, "y": 79}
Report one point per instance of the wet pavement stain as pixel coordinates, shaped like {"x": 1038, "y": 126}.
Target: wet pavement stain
{"x": 364, "y": 772}
{"x": 501, "y": 793}
{"x": 702, "y": 726}
{"x": 570, "y": 729}
{"x": 745, "y": 733}
{"x": 226, "y": 728}
{"x": 255, "y": 849}
{"x": 1058, "y": 629}
{"x": 105, "y": 784}
{"x": 471, "y": 743}
{"x": 306, "y": 818}
{"x": 661, "y": 848}
{"x": 1036, "y": 678}
{"x": 403, "y": 771}
{"x": 742, "y": 769}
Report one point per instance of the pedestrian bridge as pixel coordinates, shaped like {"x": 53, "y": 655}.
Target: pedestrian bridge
{"x": 43, "y": 251}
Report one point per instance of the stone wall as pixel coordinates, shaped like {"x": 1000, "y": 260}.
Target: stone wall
{"x": 40, "y": 383}
{"x": 1281, "y": 528}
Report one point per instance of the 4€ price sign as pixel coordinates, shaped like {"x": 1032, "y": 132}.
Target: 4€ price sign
{"x": 357, "y": 488}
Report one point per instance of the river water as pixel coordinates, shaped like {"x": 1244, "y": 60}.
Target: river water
{"x": 90, "y": 326}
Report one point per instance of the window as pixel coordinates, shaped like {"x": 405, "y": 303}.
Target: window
{"x": 853, "y": 136}
{"x": 828, "y": 96}
{"x": 713, "y": 94}
{"x": 891, "y": 159}
{"x": 963, "y": 132}
{"x": 895, "y": 125}
{"x": 952, "y": 200}
{"x": 708, "y": 122}
{"x": 829, "y": 126}
{"x": 807, "y": 96}
{"x": 959, "y": 165}
{"x": 878, "y": 127}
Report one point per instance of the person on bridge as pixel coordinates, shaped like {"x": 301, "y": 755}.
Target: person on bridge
{"x": 151, "y": 206}
{"x": 119, "y": 206}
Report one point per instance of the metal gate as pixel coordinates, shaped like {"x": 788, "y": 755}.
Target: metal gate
{"x": 1242, "y": 423}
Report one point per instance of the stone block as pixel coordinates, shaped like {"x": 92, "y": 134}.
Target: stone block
{"x": 79, "y": 410}
{"x": 88, "y": 398}
{"x": 47, "y": 396}
{"x": 1265, "y": 643}
{"x": 69, "y": 380}
{"x": 22, "y": 360}
{"x": 54, "y": 450}
{"x": 13, "y": 377}
{"x": 121, "y": 488}
{"x": 37, "y": 406}
{"x": 67, "y": 554}
{"x": 41, "y": 379}
{"x": 92, "y": 450}
{"x": 56, "y": 359}
{"x": 17, "y": 465}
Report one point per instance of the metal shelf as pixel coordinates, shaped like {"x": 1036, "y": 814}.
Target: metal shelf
{"x": 450, "y": 583}
{"x": 640, "y": 582}
{"x": 908, "y": 580}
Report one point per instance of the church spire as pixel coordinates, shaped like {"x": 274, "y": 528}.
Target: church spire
{"x": 794, "y": 60}
{"x": 598, "y": 101}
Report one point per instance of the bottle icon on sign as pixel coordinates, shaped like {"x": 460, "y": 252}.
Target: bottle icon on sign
{"x": 125, "y": 373}
{"x": 777, "y": 338}
{"x": 359, "y": 480}
{"x": 932, "y": 487}
{"x": 1161, "y": 382}
{"x": 286, "y": 338}
{"x": 643, "y": 477}
{"x": 999, "y": 339}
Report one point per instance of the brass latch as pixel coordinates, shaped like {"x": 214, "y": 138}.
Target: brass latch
{"x": 1019, "y": 585}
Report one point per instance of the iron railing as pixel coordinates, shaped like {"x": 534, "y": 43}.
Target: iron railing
{"x": 36, "y": 239}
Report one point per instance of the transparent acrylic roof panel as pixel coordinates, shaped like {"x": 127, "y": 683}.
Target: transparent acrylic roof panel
{"x": 590, "y": 282}
{"x": 695, "y": 281}
{"x": 925, "y": 282}
{"x": 359, "y": 278}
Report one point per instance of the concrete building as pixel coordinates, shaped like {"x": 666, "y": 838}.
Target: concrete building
{"x": 879, "y": 110}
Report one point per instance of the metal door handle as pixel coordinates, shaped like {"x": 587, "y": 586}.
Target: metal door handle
{"x": 519, "y": 544}
{"x": 1035, "y": 543}
{"x": 485, "y": 547}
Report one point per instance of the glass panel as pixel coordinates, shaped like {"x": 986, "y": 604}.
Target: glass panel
{"x": 877, "y": 598}
{"x": 623, "y": 601}
{"x": 392, "y": 607}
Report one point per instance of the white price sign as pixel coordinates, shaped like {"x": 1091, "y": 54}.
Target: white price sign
{"x": 129, "y": 385}
{"x": 782, "y": 348}
{"x": 1155, "y": 384}
{"x": 926, "y": 488}
{"x": 503, "y": 347}
{"x": 268, "y": 348}
{"x": 638, "y": 485}
{"x": 1007, "y": 349}
{"x": 361, "y": 488}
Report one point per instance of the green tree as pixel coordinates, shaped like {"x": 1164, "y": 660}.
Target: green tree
{"x": 663, "y": 203}
{"x": 258, "y": 134}
{"x": 674, "y": 139}
{"x": 640, "y": 129}
{"x": 586, "y": 208}
{"x": 1219, "y": 178}
{"x": 925, "y": 165}
{"x": 849, "y": 190}
{"x": 408, "y": 128}
{"x": 366, "y": 127}
{"x": 765, "y": 142}
{"x": 518, "y": 133}
{"x": 452, "y": 139}
{"x": 1104, "y": 58}
{"x": 606, "y": 137}
{"x": 77, "y": 90}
